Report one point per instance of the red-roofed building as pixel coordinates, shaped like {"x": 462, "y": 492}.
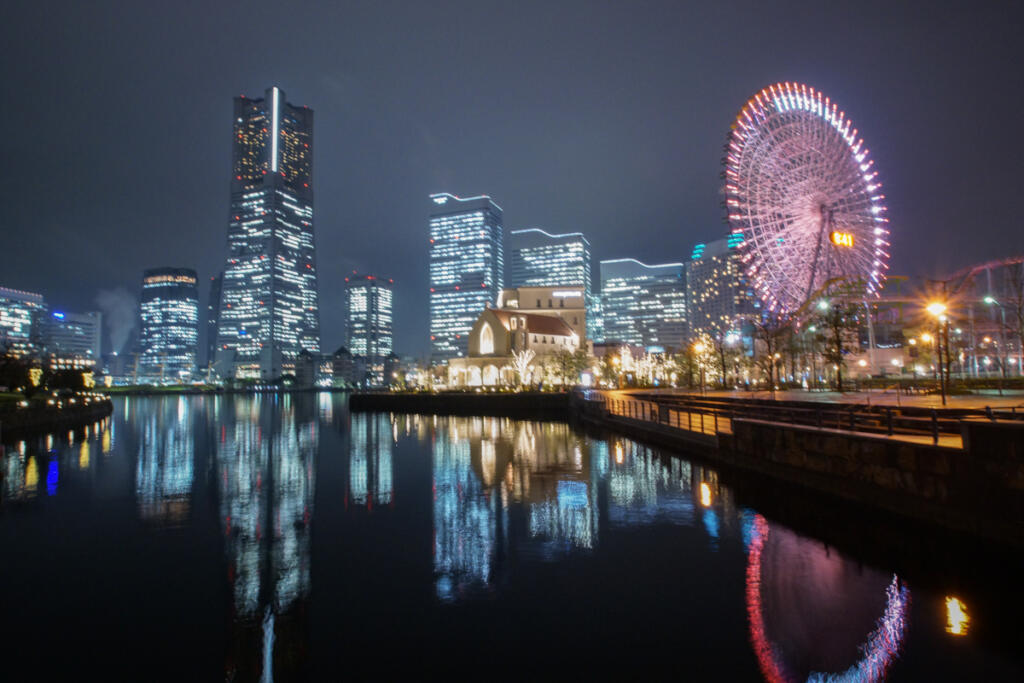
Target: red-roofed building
{"x": 498, "y": 334}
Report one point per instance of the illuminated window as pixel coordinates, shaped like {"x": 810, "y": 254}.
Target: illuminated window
{"x": 486, "y": 340}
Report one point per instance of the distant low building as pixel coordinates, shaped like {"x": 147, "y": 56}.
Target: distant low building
{"x": 392, "y": 368}
{"x": 73, "y": 340}
{"x": 306, "y": 369}
{"x": 343, "y": 367}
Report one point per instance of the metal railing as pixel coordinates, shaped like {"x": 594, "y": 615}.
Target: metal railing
{"x": 715, "y": 416}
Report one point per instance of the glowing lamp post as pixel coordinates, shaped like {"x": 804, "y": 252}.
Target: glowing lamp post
{"x": 938, "y": 310}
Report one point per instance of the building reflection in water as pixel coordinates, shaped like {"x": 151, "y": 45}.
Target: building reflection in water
{"x": 510, "y": 489}
{"x": 164, "y": 468}
{"x": 371, "y": 470}
{"x": 265, "y": 467}
{"x": 466, "y": 511}
{"x": 815, "y": 615}
{"x": 489, "y": 470}
{"x": 35, "y": 468}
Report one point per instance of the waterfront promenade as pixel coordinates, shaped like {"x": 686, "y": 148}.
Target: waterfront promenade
{"x": 1008, "y": 400}
{"x": 962, "y": 467}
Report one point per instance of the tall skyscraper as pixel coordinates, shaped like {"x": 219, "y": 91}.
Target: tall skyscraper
{"x": 466, "y": 264}
{"x": 213, "y": 317}
{"x": 270, "y": 308}
{"x": 537, "y": 258}
{"x": 169, "y": 339}
{"x": 21, "y": 322}
{"x": 642, "y": 304}
{"x": 73, "y": 340}
{"x": 717, "y": 293}
{"x": 368, "y": 322}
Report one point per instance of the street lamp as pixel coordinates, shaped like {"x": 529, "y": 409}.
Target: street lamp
{"x": 938, "y": 311}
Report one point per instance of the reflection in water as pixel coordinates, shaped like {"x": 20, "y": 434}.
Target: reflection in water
{"x": 370, "y": 467}
{"x": 164, "y": 467}
{"x": 957, "y": 620}
{"x": 482, "y": 466}
{"x": 815, "y": 615}
{"x": 265, "y": 464}
{"x": 509, "y": 498}
{"x": 26, "y": 467}
{"x": 465, "y": 518}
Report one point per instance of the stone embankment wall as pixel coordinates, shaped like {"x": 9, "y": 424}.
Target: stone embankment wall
{"x": 526, "y": 405}
{"x": 978, "y": 489}
{"x": 958, "y": 488}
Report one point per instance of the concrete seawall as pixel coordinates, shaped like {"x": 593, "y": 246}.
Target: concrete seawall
{"x": 527, "y": 405}
{"x": 978, "y": 489}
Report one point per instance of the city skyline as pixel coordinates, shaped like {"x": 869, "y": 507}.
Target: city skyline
{"x": 586, "y": 145}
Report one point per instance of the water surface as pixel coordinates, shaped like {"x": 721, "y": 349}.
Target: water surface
{"x": 279, "y": 537}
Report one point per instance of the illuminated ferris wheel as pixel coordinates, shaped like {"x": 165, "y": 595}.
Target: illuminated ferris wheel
{"x": 804, "y": 195}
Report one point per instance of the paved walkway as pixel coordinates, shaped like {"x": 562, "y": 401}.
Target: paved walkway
{"x": 623, "y": 404}
{"x": 888, "y": 398}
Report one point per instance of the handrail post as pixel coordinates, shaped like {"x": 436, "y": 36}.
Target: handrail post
{"x": 935, "y": 427}
{"x": 888, "y": 419}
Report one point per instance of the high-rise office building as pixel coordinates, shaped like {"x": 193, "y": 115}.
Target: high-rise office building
{"x": 22, "y": 317}
{"x": 213, "y": 317}
{"x": 537, "y": 258}
{"x": 368, "y": 323}
{"x": 466, "y": 264}
{"x": 270, "y": 308}
{"x": 717, "y": 294}
{"x": 169, "y": 338}
{"x": 644, "y": 305}
{"x": 73, "y": 340}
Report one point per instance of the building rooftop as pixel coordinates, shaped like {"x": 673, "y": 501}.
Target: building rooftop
{"x": 535, "y": 322}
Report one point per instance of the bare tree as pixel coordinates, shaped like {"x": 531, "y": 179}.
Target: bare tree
{"x": 1015, "y": 299}
{"x": 839, "y": 322}
{"x": 521, "y": 363}
{"x": 771, "y": 333}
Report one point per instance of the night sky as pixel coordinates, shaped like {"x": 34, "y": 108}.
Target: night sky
{"x": 606, "y": 118}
